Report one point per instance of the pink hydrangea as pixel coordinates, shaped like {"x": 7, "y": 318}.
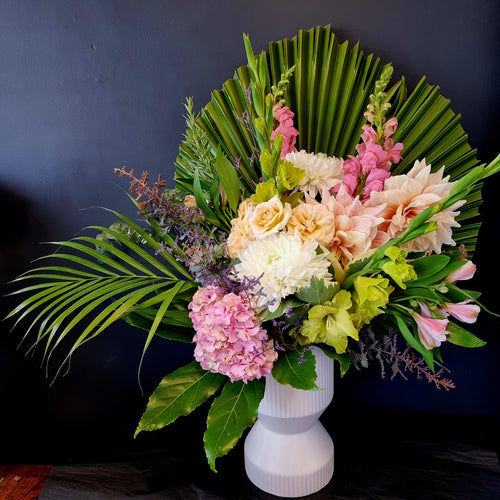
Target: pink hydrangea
{"x": 284, "y": 117}
{"x": 229, "y": 337}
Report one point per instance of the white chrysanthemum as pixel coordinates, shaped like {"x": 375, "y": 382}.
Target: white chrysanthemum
{"x": 284, "y": 264}
{"x": 322, "y": 171}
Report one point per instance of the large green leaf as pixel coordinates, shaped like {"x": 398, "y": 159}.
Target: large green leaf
{"x": 297, "y": 368}
{"x": 179, "y": 394}
{"x": 231, "y": 413}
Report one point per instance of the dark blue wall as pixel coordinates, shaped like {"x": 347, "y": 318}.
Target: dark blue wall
{"x": 89, "y": 86}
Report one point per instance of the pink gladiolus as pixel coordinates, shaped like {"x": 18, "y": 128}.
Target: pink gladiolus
{"x": 431, "y": 331}
{"x": 463, "y": 311}
{"x": 466, "y": 272}
{"x": 284, "y": 117}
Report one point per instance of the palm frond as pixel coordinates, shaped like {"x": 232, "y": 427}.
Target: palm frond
{"x": 95, "y": 284}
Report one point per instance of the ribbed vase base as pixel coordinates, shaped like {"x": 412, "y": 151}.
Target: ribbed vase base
{"x": 289, "y": 465}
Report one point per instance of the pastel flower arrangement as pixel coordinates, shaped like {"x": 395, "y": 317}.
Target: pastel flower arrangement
{"x": 344, "y": 211}
{"x": 296, "y": 220}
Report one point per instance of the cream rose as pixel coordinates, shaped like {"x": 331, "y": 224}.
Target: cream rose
{"x": 269, "y": 217}
{"x": 240, "y": 228}
{"x": 312, "y": 221}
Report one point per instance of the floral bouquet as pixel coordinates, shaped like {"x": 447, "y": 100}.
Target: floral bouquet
{"x": 315, "y": 204}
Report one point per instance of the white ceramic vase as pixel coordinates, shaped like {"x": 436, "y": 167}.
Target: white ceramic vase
{"x": 288, "y": 452}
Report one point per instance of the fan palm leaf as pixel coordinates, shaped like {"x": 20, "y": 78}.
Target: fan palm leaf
{"x": 328, "y": 92}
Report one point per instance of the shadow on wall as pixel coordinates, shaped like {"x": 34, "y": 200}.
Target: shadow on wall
{"x": 20, "y": 229}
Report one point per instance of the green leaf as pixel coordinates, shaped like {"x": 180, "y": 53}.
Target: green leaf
{"x": 250, "y": 54}
{"x": 438, "y": 276}
{"x": 412, "y": 342}
{"x": 231, "y": 413}
{"x": 356, "y": 266}
{"x": 200, "y": 199}
{"x": 229, "y": 180}
{"x": 172, "y": 262}
{"x": 318, "y": 292}
{"x": 456, "y": 294}
{"x": 266, "y": 314}
{"x": 472, "y": 296}
{"x": 167, "y": 331}
{"x": 297, "y": 368}
{"x": 118, "y": 286}
{"x": 168, "y": 297}
{"x": 462, "y": 337}
{"x": 427, "y": 293}
{"x": 343, "y": 359}
{"x": 294, "y": 198}
{"x": 179, "y": 394}
{"x": 426, "y": 267}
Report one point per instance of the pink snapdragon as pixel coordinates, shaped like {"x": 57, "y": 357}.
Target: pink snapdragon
{"x": 390, "y": 127}
{"x": 229, "y": 337}
{"x": 431, "y": 331}
{"x": 466, "y": 272}
{"x": 463, "y": 311}
{"x": 284, "y": 117}
{"x": 367, "y": 171}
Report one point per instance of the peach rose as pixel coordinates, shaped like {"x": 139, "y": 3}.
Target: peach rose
{"x": 312, "y": 221}
{"x": 269, "y": 217}
{"x": 190, "y": 201}
{"x": 240, "y": 228}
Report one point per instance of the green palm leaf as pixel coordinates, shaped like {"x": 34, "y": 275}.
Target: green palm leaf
{"x": 329, "y": 91}
{"x": 175, "y": 325}
{"x": 100, "y": 284}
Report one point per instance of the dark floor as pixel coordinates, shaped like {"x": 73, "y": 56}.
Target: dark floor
{"x": 379, "y": 454}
